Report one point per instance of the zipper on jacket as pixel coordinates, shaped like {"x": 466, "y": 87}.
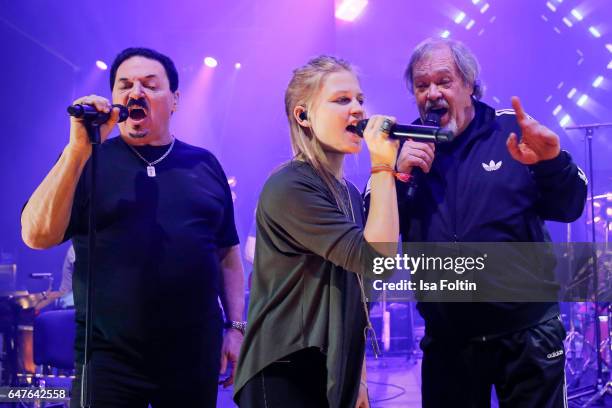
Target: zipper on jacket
{"x": 456, "y": 176}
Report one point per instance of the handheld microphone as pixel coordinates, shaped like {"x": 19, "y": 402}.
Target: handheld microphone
{"x": 429, "y": 132}
{"x": 432, "y": 119}
{"x": 90, "y": 115}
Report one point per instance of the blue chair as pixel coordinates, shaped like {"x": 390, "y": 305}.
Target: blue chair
{"x": 54, "y": 333}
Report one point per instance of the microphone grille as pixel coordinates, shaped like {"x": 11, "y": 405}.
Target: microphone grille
{"x": 123, "y": 112}
{"x": 361, "y": 125}
{"x": 432, "y": 119}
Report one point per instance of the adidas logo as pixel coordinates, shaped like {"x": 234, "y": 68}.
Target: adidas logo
{"x": 555, "y": 354}
{"x": 492, "y": 166}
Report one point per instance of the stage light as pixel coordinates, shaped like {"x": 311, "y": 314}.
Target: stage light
{"x": 567, "y": 21}
{"x": 470, "y": 24}
{"x": 566, "y": 119}
{"x": 576, "y": 14}
{"x": 582, "y": 100}
{"x": 609, "y": 65}
{"x": 459, "y": 17}
{"x": 210, "y": 62}
{"x": 595, "y": 32}
{"x": 237, "y": 65}
{"x": 475, "y": 1}
{"x": 609, "y": 47}
{"x": 557, "y": 110}
{"x": 597, "y": 81}
{"x": 484, "y": 8}
{"x": 445, "y": 34}
{"x": 102, "y": 65}
{"x": 551, "y": 6}
{"x": 571, "y": 93}
{"x": 349, "y": 10}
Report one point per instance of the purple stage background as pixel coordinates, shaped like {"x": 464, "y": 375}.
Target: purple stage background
{"x": 49, "y": 52}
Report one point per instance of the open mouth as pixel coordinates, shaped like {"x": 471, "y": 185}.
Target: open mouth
{"x": 439, "y": 111}
{"x": 433, "y": 116}
{"x": 137, "y": 114}
{"x": 353, "y": 129}
{"x": 357, "y": 127}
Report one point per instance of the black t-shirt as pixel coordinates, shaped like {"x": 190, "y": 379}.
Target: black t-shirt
{"x": 157, "y": 271}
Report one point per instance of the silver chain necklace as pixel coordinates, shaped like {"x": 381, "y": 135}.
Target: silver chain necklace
{"x": 364, "y": 300}
{"x": 150, "y": 165}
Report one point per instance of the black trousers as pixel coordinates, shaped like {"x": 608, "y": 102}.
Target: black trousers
{"x": 183, "y": 373}
{"x": 296, "y": 381}
{"x": 526, "y": 368}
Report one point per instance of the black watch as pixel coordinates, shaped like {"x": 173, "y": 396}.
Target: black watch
{"x": 233, "y": 324}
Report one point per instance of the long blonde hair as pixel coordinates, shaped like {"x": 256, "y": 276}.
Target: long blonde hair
{"x": 304, "y": 86}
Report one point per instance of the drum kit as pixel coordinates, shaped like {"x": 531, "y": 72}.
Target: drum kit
{"x": 595, "y": 319}
{"x": 588, "y": 344}
{"x": 18, "y": 309}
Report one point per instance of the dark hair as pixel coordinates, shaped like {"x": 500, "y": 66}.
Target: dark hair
{"x": 128, "y": 53}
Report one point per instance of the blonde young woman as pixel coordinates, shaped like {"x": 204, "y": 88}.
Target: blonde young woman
{"x": 304, "y": 345}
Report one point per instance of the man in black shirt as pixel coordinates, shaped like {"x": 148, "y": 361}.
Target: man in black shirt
{"x": 166, "y": 249}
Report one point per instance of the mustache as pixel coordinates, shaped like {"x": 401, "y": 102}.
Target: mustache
{"x": 435, "y": 105}
{"x": 137, "y": 102}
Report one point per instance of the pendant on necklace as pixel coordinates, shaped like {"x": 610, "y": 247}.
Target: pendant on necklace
{"x": 150, "y": 171}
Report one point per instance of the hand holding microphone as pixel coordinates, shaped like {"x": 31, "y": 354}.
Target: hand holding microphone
{"x": 92, "y": 116}
{"x": 420, "y": 154}
{"x": 415, "y": 157}
{"x": 383, "y": 149}
{"x": 92, "y": 110}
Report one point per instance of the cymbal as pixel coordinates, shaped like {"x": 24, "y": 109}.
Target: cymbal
{"x": 14, "y": 294}
{"x": 27, "y": 300}
{"x": 602, "y": 206}
{"x": 583, "y": 276}
{"x": 604, "y": 196}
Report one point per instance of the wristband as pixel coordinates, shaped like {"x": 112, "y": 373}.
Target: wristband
{"x": 403, "y": 177}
